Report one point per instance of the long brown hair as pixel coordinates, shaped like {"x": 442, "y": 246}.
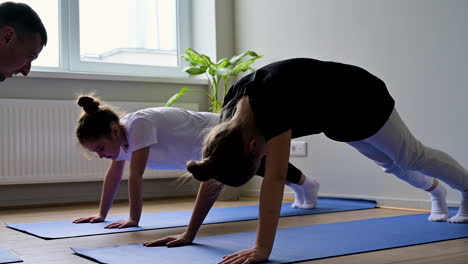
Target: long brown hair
{"x": 226, "y": 158}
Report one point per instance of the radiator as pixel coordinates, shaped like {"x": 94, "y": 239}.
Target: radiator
{"x": 38, "y": 143}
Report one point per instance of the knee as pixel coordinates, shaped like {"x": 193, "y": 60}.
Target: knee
{"x": 414, "y": 163}
{"x": 388, "y": 166}
{"x": 412, "y": 158}
{"x": 391, "y": 168}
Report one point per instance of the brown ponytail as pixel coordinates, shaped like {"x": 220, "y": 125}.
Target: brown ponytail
{"x": 201, "y": 170}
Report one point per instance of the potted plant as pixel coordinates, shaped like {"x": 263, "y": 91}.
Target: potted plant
{"x": 219, "y": 75}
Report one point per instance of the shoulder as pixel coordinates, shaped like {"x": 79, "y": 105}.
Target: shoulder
{"x": 143, "y": 117}
{"x": 151, "y": 114}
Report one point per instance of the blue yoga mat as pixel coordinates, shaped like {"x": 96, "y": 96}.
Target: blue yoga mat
{"x": 7, "y": 257}
{"x": 64, "y": 229}
{"x": 293, "y": 244}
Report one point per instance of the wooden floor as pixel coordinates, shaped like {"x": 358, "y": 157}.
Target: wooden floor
{"x": 35, "y": 250}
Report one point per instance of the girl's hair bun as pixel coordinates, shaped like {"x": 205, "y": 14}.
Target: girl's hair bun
{"x": 201, "y": 170}
{"x": 90, "y": 105}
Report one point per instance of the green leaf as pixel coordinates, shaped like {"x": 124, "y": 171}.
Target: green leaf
{"x": 244, "y": 65}
{"x": 210, "y": 71}
{"x": 195, "y": 70}
{"x": 176, "y": 96}
{"x": 224, "y": 72}
{"x": 187, "y": 59}
{"x": 221, "y": 64}
{"x": 197, "y": 58}
{"x": 239, "y": 57}
{"x": 207, "y": 59}
{"x": 253, "y": 54}
{"x": 182, "y": 91}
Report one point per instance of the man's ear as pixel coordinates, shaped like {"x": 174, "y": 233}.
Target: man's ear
{"x": 7, "y": 35}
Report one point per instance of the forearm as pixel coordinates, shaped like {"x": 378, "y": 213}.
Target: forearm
{"x": 270, "y": 208}
{"x": 206, "y": 197}
{"x": 110, "y": 186}
{"x": 135, "y": 182}
{"x": 135, "y": 186}
{"x": 271, "y": 194}
{"x": 107, "y": 198}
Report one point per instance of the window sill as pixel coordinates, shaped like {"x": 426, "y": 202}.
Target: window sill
{"x": 115, "y": 77}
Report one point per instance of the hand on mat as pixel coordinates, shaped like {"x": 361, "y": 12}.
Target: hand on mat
{"x": 123, "y": 224}
{"x": 247, "y": 256}
{"x": 170, "y": 241}
{"x": 89, "y": 219}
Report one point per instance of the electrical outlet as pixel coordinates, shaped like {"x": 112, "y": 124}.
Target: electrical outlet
{"x": 298, "y": 149}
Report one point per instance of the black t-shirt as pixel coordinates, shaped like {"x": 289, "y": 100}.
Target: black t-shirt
{"x": 309, "y": 96}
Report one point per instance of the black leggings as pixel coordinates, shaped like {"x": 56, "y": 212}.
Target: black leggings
{"x": 293, "y": 176}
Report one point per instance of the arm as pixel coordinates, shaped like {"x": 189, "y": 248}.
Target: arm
{"x": 271, "y": 196}
{"x": 135, "y": 185}
{"x": 109, "y": 188}
{"x": 207, "y": 195}
{"x": 271, "y": 193}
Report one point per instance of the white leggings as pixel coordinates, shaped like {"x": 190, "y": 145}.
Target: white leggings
{"x": 397, "y": 151}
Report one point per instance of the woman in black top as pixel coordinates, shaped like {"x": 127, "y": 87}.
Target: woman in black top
{"x": 264, "y": 110}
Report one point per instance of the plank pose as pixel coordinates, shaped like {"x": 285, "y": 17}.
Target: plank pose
{"x": 163, "y": 138}
{"x": 264, "y": 110}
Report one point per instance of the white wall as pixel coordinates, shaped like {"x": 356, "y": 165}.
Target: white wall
{"x": 213, "y": 28}
{"x": 418, "y": 47}
{"x": 65, "y": 89}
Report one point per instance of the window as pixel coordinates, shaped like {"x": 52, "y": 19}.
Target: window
{"x": 130, "y": 37}
{"x": 134, "y": 32}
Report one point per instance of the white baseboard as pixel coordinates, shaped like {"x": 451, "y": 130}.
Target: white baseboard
{"x": 381, "y": 201}
{"x": 84, "y": 192}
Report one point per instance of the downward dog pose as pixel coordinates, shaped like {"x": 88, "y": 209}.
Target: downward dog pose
{"x": 163, "y": 138}
{"x": 299, "y": 97}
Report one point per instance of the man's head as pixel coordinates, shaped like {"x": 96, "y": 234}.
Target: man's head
{"x": 22, "y": 36}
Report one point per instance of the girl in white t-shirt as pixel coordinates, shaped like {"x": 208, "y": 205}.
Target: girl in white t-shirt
{"x": 163, "y": 138}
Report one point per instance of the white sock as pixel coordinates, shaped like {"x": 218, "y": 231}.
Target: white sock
{"x": 462, "y": 214}
{"x": 310, "y": 193}
{"x": 298, "y": 194}
{"x": 439, "y": 209}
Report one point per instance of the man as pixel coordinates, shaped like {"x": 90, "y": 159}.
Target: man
{"x": 22, "y": 37}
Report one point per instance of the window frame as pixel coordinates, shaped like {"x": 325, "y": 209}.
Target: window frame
{"x": 69, "y": 45}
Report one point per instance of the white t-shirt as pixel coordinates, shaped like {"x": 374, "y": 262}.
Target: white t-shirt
{"x": 174, "y": 135}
